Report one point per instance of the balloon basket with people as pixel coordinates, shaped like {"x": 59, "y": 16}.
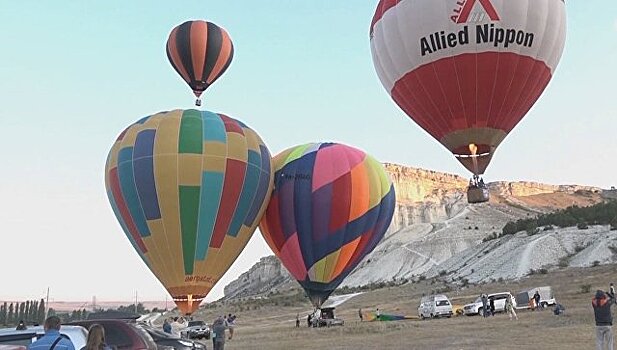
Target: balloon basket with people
{"x": 477, "y": 191}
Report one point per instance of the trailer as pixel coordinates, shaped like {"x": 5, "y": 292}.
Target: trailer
{"x": 547, "y": 298}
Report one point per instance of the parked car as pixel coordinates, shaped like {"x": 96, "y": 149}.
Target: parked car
{"x": 546, "y": 297}
{"x": 12, "y": 347}
{"x": 122, "y": 334}
{"x": 9, "y": 336}
{"x": 435, "y": 306}
{"x": 196, "y": 329}
{"x": 169, "y": 340}
{"x": 499, "y": 299}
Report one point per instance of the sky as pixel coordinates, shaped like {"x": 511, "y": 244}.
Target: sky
{"x": 73, "y": 75}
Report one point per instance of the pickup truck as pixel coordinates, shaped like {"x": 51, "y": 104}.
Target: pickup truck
{"x": 196, "y": 330}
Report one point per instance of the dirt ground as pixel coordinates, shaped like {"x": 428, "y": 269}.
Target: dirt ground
{"x": 274, "y": 327}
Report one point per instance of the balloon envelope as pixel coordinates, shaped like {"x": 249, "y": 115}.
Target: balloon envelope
{"x": 188, "y": 188}
{"x": 330, "y": 206}
{"x": 467, "y": 71}
{"x": 200, "y": 52}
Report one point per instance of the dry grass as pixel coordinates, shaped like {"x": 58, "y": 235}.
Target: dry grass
{"x": 273, "y": 327}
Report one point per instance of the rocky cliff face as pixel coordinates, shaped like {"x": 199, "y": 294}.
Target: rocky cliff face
{"x": 424, "y": 195}
{"x": 265, "y": 275}
{"x": 432, "y": 225}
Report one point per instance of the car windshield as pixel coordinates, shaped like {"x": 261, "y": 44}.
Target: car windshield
{"x": 196, "y": 323}
{"x": 443, "y": 303}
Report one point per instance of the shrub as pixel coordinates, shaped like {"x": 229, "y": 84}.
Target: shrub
{"x": 443, "y": 273}
{"x": 476, "y": 228}
{"x": 582, "y": 226}
{"x": 465, "y": 282}
{"x": 564, "y": 262}
{"x": 500, "y": 280}
{"x": 595, "y": 263}
{"x": 422, "y": 278}
{"x": 532, "y": 231}
{"x": 578, "y": 248}
{"x": 490, "y": 237}
{"x": 585, "y": 288}
{"x": 548, "y": 228}
{"x": 510, "y": 228}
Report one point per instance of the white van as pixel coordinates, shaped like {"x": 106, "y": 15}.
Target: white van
{"x": 436, "y": 305}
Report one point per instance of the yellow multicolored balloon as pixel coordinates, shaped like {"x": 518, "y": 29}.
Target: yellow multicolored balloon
{"x": 189, "y": 188}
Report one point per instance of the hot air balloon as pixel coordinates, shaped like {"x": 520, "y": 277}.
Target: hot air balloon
{"x": 200, "y": 52}
{"x": 330, "y": 206}
{"x": 188, "y": 188}
{"x": 467, "y": 71}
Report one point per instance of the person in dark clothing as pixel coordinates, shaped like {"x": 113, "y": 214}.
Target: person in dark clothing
{"x": 309, "y": 320}
{"x": 218, "y": 334}
{"x": 604, "y": 320}
{"x": 536, "y": 297}
{"x": 485, "y": 310}
{"x": 21, "y": 326}
{"x": 559, "y": 310}
{"x": 492, "y": 306}
{"x": 166, "y": 326}
{"x": 297, "y": 320}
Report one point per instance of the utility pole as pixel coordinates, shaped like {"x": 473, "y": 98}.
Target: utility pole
{"x": 47, "y": 303}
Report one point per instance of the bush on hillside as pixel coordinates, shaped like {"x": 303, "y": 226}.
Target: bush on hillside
{"x": 599, "y": 214}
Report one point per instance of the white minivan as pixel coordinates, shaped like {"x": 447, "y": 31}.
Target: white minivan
{"x": 436, "y": 305}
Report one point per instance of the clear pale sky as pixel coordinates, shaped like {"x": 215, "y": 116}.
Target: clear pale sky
{"x": 74, "y": 74}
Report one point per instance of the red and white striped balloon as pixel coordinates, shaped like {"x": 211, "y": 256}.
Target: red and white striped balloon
{"x": 467, "y": 71}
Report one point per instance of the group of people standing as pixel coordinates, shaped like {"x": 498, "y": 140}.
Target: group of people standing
{"x": 174, "y": 325}
{"x": 488, "y": 306}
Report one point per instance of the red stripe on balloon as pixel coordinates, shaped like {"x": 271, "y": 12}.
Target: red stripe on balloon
{"x": 234, "y": 180}
{"x": 231, "y": 125}
{"x": 272, "y": 219}
{"x": 340, "y": 203}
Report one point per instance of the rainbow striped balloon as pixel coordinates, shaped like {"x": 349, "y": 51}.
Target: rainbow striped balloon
{"x": 188, "y": 188}
{"x": 330, "y": 207}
